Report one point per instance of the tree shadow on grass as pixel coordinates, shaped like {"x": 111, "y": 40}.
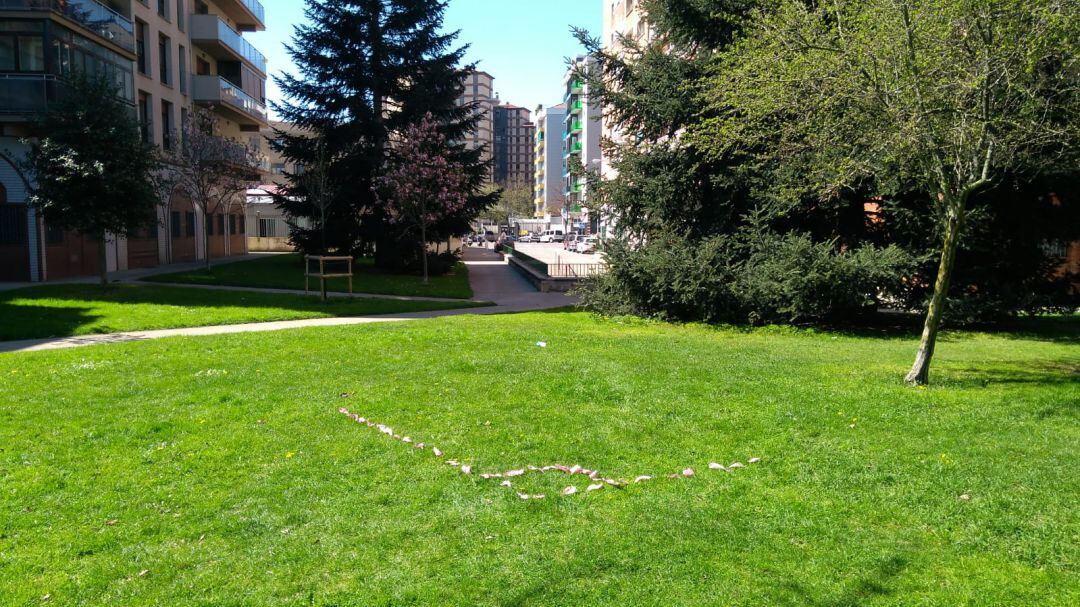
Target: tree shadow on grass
{"x": 80, "y": 305}
{"x": 30, "y": 322}
{"x": 1041, "y": 373}
{"x": 874, "y": 583}
{"x": 1053, "y": 328}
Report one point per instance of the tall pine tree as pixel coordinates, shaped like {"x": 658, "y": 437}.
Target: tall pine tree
{"x": 368, "y": 69}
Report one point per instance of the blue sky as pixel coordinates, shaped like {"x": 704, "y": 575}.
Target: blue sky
{"x": 524, "y": 45}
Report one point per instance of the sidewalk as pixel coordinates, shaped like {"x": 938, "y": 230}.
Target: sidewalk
{"x": 490, "y": 276}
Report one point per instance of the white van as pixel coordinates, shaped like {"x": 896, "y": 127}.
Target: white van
{"x": 552, "y": 236}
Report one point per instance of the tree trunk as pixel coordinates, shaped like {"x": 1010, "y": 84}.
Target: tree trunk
{"x": 423, "y": 250}
{"x": 207, "y": 220}
{"x": 920, "y": 371}
{"x": 103, "y": 261}
{"x": 322, "y": 229}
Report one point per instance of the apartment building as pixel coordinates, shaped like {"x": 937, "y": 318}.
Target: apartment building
{"x": 513, "y": 145}
{"x": 548, "y": 159}
{"x": 167, "y": 56}
{"x": 581, "y": 145}
{"x": 268, "y": 227}
{"x": 623, "y": 20}
{"x": 479, "y": 90}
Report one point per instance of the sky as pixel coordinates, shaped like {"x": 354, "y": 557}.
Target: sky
{"x": 524, "y": 45}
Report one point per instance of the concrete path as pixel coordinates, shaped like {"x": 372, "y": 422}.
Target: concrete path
{"x": 490, "y": 276}
{"x": 312, "y": 293}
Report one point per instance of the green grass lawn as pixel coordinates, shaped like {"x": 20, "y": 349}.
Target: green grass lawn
{"x": 63, "y": 310}
{"x": 218, "y": 471}
{"x": 287, "y": 272}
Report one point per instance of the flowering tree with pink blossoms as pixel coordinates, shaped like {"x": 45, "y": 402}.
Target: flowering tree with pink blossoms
{"x": 420, "y": 184}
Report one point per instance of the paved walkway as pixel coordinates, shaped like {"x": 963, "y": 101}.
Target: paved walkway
{"x": 491, "y": 279}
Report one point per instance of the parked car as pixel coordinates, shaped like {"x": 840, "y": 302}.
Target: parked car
{"x": 552, "y": 236}
{"x": 570, "y": 241}
{"x": 588, "y": 244}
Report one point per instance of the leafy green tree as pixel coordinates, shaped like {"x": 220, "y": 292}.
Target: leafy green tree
{"x": 704, "y": 239}
{"x": 516, "y": 200}
{"x": 367, "y": 69}
{"x": 945, "y": 97}
{"x": 91, "y": 171}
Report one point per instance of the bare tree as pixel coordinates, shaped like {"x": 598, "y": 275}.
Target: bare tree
{"x": 317, "y": 183}
{"x": 212, "y": 170}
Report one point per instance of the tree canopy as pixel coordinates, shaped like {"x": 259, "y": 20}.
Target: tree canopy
{"x": 943, "y": 97}
{"x": 367, "y": 70}
{"x": 91, "y": 171}
{"x": 783, "y": 160}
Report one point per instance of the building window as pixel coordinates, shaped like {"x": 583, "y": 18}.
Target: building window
{"x": 221, "y": 224}
{"x": 31, "y": 54}
{"x": 180, "y": 15}
{"x": 243, "y": 227}
{"x": 144, "y": 118}
{"x": 7, "y": 53}
{"x": 232, "y": 224}
{"x": 189, "y": 224}
{"x": 175, "y": 227}
{"x": 267, "y": 227}
{"x": 167, "y": 136}
{"x": 141, "y": 49}
{"x": 163, "y": 8}
{"x": 210, "y": 225}
{"x": 12, "y": 222}
{"x": 165, "y": 59}
{"x": 183, "y": 125}
{"x": 183, "y": 70}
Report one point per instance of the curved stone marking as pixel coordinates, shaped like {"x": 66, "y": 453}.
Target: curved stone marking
{"x": 593, "y": 475}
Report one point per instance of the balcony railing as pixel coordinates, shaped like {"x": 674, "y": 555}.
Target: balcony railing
{"x": 91, "y": 15}
{"x": 573, "y": 148}
{"x": 211, "y": 28}
{"x": 28, "y": 93}
{"x": 214, "y": 89}
{"x": 256, "y": 9}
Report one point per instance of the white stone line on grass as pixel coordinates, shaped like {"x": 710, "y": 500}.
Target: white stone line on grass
{"x": 598, "y": 482}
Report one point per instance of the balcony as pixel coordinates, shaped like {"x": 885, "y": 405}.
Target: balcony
{"x": 22, "y": 94}
{"x": 575, "y": 87}
{"x": 574, "y": 148}
{"x": 223, "y": 42}
{"x": 89, "y": 15}
{"x": 573, "y": 128}
{"x": 249, "y": 15}
{"x": 576, "y": 107}
{"x": 218, "y": 91}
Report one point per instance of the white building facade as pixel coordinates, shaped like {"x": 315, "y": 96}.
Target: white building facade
{"x": 548, "y": 163}
{"x": 581, "y": 148}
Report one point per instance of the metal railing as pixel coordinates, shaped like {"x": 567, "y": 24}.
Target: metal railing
{"x": 559, "y": 269}
{"x": 256, "y": 9}
{"x": 212, "y": 27}
{"x": 27, "y": 93}
{"x": 216, "y": 88}
{"x": 91, "y": 15}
